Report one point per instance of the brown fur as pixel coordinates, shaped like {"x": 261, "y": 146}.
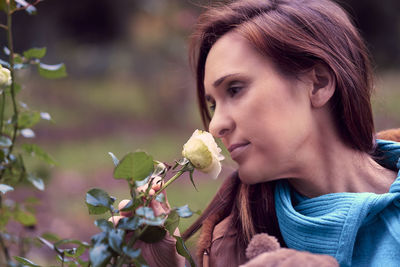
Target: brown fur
{"x": 204, "y": 241}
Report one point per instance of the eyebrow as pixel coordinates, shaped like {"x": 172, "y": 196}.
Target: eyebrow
{"x": 220, "y": 80}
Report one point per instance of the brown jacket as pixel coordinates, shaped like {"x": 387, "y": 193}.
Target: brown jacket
{"x": 216, "y": 246}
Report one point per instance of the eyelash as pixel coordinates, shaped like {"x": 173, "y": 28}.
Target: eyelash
{"x": 232, "y": 91}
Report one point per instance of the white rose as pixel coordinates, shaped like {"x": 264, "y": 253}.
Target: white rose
{"x": 5, "y": 76}
{"x": 203, "y": 153}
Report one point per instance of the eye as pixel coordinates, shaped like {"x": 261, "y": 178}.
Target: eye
{"x": 232, "y": 91}
{"x": 210, "y": 103}
{"x": 234, "y": 88}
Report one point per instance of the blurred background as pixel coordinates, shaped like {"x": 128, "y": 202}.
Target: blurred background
{"x": 129, "y": 87}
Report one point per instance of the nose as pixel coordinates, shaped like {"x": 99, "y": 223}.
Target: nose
{"x": 221, "y": 124}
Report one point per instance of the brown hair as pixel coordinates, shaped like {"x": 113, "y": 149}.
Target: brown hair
{"x": 296, "y": 35}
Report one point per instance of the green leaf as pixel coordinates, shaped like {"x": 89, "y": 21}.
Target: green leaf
{"x": 184, "y": 211}
{"x": 36, "y": 181}
{"x": 153, "y": 234}
{"x": 35, "y": 150}
{"x": 129, "y": 223}
{"x": 52, "y": 71}
{"x": 50, "y": 236}
{"x": 99, "y": 238}
{"x": 5, "y": 141}
{"x": 18, "y": 59}
{"x": 115, "y": 239}
{"x": 130, "y": 252}
{"x": 28, "y": 119}
{"x": 183, "y": 251}
{"x": 98, "y": 201}
{"x": 104, "y": 225}
{"x": 172, "y": 222}
{"x": 136, "y": 166}
{"x": 73, "y": 252}
{"x": 99, "y": 255}
{"x": 25, "y": 218}
{"x": 35, "y": 53}
{"x": 25, "y": 261}
{"x": 5, "y": 188}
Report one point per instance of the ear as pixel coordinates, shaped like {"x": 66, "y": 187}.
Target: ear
{"x": 323, "y": 85}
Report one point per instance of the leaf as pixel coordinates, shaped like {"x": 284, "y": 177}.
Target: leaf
{"x": 45, "y": 116}
{"x": 99, "y": 238}
{"x": 35, "y": 150}
{"x": 129, "y": 223}
{"x": 5, "y": 141}
{"x": 28, "y": 7}
{"x": 18, "y": 59}
{"x": 183, "y": 251}
{"x": 114, "y": 158}
{"x": 50, "y": 236}
{"x": 5, "y": 188}
{"x": 184, "y": 211}
{"x": 136, "y": 166}
{"x": 25, "y": 261}
{"x": 73, "y": 252}
{"x": 6, "y": 51}
{"x": 28, "y": 133}
{"x": 160, "y": 198}
{"x": 52, "y": 71}
{"x": 36, "y": 181}
{"x": 25, "y": 218}
{"x": 131, "y": 253}
{"x": 146, "y": 212}
{"x": 104, "y": 225}
{"x": 99, "y": 255}
{"x": 35, "y": 53}
{"x": 115, "y": 239}
{"x": 28, "y": 119}
{"x": 98, "y": 201}
{"x": 48, "y": 244}
{"x": 172, "y": 222}
{"x": 153, "y": 234}
{"x": 4, "y": 63}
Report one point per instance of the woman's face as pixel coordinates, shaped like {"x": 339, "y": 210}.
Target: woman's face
{"x": 263, "y": 117}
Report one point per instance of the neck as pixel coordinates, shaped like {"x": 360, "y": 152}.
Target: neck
{"x": 329, "y": 166}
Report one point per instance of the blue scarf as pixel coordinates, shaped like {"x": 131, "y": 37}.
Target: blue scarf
{"x": 329, "y": 224}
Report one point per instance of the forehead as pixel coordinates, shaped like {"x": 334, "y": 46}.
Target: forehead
{"x": 232, "y": 54}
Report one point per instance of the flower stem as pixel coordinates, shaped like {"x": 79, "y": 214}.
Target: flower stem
{"x": 170, "y": 181}
{"x": 12, "y": 71}
{"x": 131, "y": 242}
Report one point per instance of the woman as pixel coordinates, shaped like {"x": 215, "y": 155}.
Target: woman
{"x": 286, "y": 85}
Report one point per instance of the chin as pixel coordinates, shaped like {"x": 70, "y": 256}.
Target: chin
{"x": 248, "y": 177}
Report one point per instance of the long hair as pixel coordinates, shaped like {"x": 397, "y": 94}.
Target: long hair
{"x": 296, "y": 35}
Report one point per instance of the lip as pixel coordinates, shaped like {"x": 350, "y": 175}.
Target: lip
{"x": 236, "y": 149}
